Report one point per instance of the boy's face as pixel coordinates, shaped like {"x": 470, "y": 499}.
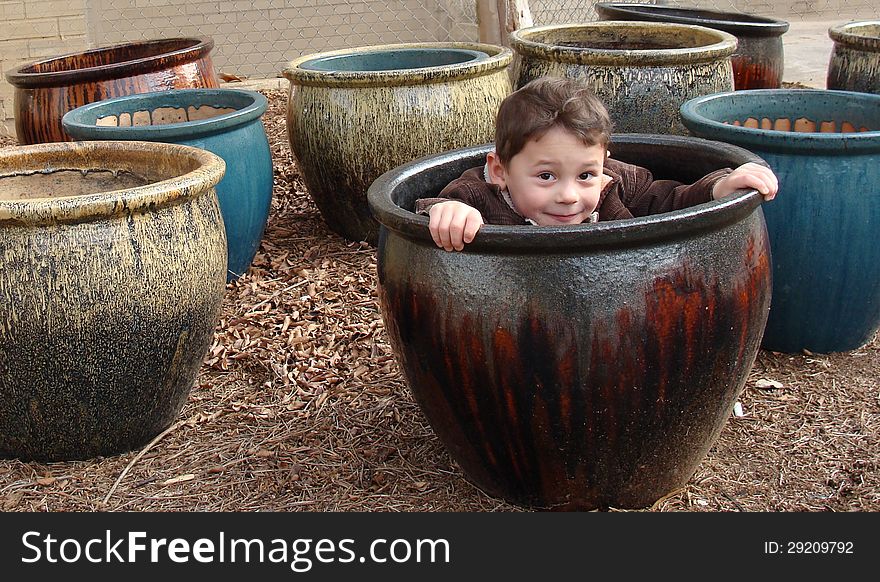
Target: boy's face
{"x": 555, "y": 179}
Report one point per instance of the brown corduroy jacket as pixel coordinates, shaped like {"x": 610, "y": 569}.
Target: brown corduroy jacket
{"x": 632, "y": 192}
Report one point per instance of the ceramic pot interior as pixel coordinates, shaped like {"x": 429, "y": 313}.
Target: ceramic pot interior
{"x": 111, "y": 56}
{"x": 800, "y": 124}
{"x": 70, "y": 178}
{"x": 801, "y": 111}
{"x": 162, "y": 116}
{"x": 624, "y": 38}
{"x": 68, "y": 183}
{"x": 397, "y": 59}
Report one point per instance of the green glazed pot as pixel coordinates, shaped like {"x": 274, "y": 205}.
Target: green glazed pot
{"x": 642, "y": 71}
{"x": 354, "y": 114}
{"x": 854, "y": 64}
{"x": 112, "y": 273}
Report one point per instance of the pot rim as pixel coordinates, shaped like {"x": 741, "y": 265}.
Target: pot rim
{"x": 809, "y": 142}
{"x": 527, "y": 239}
{"x": 498, "y": 60}
{"x": 196, "y": 48}
{"x": 847, "y": 35}
{"x": 738, "y": 23}
{"x": 104, "y": 155}
{"x": 723, "y": 44}
{"x": 81, "y": 121}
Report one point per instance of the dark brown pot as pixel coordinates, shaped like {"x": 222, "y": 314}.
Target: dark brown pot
{"x": 578, "y": 367}
{"x": 759, "y": 60}
{"x": 46, "y": 90}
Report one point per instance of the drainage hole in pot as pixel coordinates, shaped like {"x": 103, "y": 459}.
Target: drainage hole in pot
{"x": 800, "y": 125}
{"x": 67, "y": 184}
{"x": 162, "y": 116}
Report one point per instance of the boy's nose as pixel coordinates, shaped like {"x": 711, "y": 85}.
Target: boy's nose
{"x": 567, "y": 194}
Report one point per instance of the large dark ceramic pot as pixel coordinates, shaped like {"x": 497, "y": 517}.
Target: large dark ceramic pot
{"x": 46, "y": 90}
{"x": 854, "y": 64}
{"x": 578, "y": 367}
{"x": 642, "y": 71}
{"x": 112, "y": 273}
{"x": 825, "y": 148}
{"x": 356, "y": 113}
{"x": 759, "y": 60}
{"x": 224, "y": 121}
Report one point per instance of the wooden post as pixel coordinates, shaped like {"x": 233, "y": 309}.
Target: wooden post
{"x": 498, "y": 18}
{"x": 489, "y": 22}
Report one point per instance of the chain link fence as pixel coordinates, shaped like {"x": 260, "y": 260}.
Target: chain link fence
{"x": 256, "y": 38}
{"x": 558, "y": 11}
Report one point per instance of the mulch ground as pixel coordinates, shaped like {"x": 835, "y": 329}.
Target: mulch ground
{"x": 300, "y": 406}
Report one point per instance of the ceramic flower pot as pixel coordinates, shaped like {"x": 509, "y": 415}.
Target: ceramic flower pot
{"x": 854, "y": 64}
{"x": 577, "y": 367}
{"x": 825, "y": 148}
{"x": 112, "y": 272}
{"x": 355, "y": 114}
{"x": 642, "y": 71}
{"x": 46, "y": 90}
{"x": 759, "y": 60}
{"x": 224, "y": 121}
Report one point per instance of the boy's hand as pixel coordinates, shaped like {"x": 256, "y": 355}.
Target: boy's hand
{"x": 453, "y": 223}
{"x": 750, "y": 175}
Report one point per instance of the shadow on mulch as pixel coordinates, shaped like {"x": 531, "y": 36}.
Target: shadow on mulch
{"x": 300, "y": 406}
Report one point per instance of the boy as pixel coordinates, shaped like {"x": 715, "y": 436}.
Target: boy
{"x": 551, "y": 167}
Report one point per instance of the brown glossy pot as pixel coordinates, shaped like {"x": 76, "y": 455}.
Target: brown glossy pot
{"x": 46, "y": 90}
{"x": 586, "y": 366}
{"x": 759, "y": 60}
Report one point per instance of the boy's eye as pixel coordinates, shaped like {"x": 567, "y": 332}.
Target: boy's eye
{"x": 545, "y": 176}
{"x": 586, "y": 176}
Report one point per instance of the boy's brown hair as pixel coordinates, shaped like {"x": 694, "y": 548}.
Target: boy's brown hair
{"x": 547, "y": 102}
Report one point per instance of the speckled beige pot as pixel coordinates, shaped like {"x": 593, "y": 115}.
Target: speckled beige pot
{"x": 112, "y": 272}
{"x": 354, "y": 114}
{"x": 642, "y": 71}
{"x": 854, "y": 64}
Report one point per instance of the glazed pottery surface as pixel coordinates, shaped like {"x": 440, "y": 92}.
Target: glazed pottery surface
{"x": 46, "y": 90}
{"x": 226, "y": 122}
{"x": 824, "y": 146}
{"x": 855, "y": 57}
{"x": 585, "y": 366}
{"x": 642, "y": 71}
{"x": 355, "y": 114}
{"x": 759, "y": 60}
{"x": 112, "y": 273}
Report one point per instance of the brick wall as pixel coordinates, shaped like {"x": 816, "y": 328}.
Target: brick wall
{"x": 33, "y": 30}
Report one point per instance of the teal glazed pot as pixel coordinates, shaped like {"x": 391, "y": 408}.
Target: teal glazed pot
{"x": 112, "y": 274}
{"x": 577, "y": 367}
{"x": 825, "y": 148}
{"x": 47, "y": 89}
{"x": 759, "y": 60}
{"x": 854, "y": 64}
{"x": 226, "y": 122}
{"x": 642, "y": 71}
{"x": 356, "y": 113}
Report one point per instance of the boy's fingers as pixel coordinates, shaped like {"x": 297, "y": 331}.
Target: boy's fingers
{"x": 471, "y": 227}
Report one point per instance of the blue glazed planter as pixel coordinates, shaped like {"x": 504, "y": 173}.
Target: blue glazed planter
{"x": 223, "y": 121}
{"x": 825, "y": 148}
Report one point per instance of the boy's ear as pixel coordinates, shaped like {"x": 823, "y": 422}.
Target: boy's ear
{"x": 497, "y": 173}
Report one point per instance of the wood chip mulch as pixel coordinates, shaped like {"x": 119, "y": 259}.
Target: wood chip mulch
{"x": 300, "y": 406}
